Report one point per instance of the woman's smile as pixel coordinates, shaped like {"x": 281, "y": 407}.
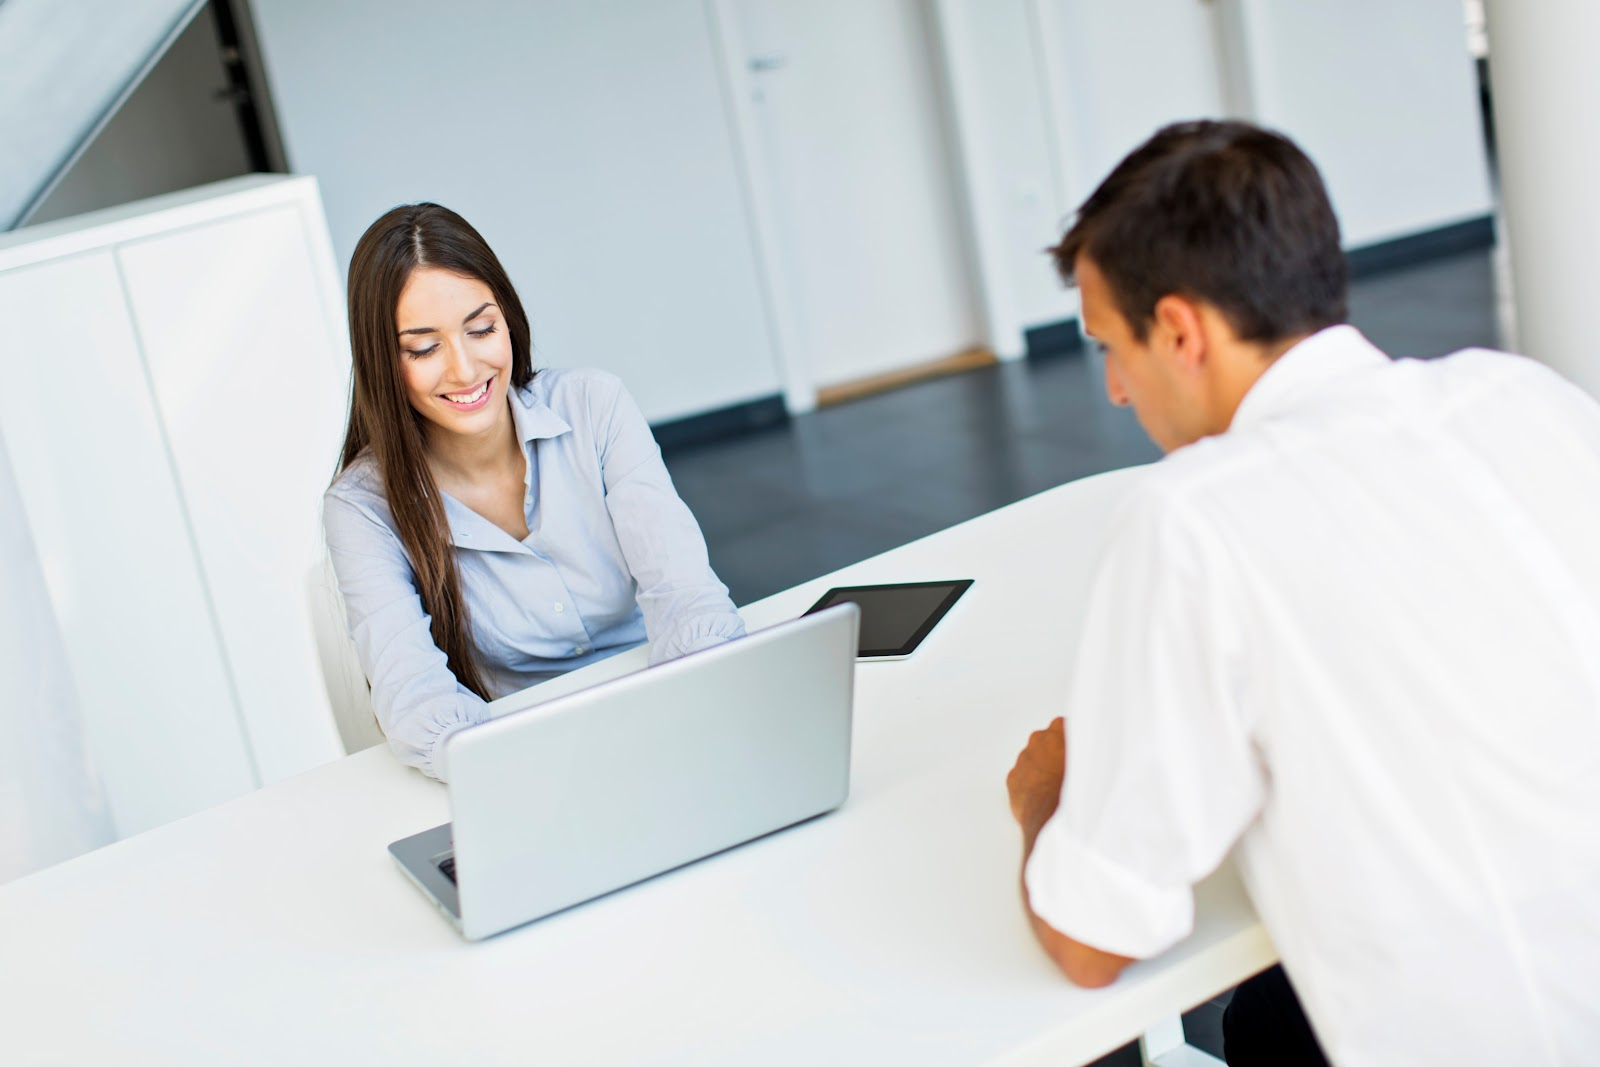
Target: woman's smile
{"x": 470, "y": 399}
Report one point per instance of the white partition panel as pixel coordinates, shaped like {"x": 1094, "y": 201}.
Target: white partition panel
{"x": 250, "y": 383}
{"x": 176, "y": 372}
{"x": 91, "y": 467}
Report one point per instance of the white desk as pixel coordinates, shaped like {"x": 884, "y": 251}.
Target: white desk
{"x": 275, "y": 928}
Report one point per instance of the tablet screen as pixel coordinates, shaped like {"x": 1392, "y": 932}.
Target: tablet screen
{"x": 895, "y": 618}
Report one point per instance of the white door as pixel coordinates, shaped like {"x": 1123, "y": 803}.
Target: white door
{"x": 859, "y": 174}
{"x": 1117, "y": 72}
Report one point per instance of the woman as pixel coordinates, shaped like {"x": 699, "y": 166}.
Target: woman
{"x": 490, "y": 526}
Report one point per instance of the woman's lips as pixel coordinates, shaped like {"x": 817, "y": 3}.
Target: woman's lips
{"x": 469, "y": 399}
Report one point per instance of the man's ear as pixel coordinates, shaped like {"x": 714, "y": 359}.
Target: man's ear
{"x": 1177, "y": 323}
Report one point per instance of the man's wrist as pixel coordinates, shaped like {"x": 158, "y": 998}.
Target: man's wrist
{"x": 1034, "y": 816}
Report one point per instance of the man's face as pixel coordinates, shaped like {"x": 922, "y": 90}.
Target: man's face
{"x": 1143, "y": 375}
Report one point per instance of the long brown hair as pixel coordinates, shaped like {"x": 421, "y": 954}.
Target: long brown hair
{"x": 382, "y": 419}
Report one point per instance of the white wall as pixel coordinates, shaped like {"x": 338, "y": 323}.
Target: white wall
{"x": 593, "y": 147}
{"x": 1383, "y": 96}
{"x": 62, "y": 68}
{"x": 1049, "y": 94}
{"x": 173, "y": 132}
{"x": 1123, "y": 70}
{"x": 588, "y": 142}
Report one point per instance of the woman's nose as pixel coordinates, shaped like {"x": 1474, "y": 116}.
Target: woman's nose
{"x": 457, "y": 365}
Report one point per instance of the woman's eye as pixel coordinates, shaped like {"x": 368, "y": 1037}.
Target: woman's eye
{"x": 485, "y": 332}
{"x": 418, "y": 353}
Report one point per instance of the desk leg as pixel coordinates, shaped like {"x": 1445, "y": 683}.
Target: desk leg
{"x": 1163, "y": 1045}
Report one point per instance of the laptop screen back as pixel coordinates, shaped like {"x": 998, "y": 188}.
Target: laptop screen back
{"x": 565, "y": 801}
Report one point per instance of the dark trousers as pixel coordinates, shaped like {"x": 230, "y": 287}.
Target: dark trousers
{"x": 1264, "y": 1026}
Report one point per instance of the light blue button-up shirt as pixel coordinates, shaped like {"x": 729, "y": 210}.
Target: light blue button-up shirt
{"x": 612, "y": 557}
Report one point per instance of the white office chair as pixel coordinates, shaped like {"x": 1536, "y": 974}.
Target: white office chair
{"x": 348, "y": 692}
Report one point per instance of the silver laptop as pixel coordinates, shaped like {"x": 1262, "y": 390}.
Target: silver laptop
{"x": 605, "y": 787}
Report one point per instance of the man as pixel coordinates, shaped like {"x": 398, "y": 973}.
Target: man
{"x": 1349, "y": 629}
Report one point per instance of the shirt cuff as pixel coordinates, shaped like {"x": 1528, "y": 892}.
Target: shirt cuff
{"x": 433, "y": 761}
{"x": 692, "y": 635}
{"x": 1100, "y": 903}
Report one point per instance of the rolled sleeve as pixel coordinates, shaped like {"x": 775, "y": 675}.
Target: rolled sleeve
{"x": 1162, "y": 775}
{"x": 1100, "y": 903}
{"x": 685, "y": 606}
{"x": 415, "y": 695}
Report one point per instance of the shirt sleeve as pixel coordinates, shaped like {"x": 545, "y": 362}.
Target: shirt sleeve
{"x": 415, "y": 695}
{"x": 686, "y": 608}
{"x": 1162, "y": 774}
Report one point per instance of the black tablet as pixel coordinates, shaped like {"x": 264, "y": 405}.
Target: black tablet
{"x": 895, "y": 618}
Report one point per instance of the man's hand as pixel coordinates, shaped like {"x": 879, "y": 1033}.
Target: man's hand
{"x": 1035, "y": 788}
{"x": 1035, "y": 782}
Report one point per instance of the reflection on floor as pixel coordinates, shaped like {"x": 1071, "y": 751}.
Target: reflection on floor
{"x": 850, "y": 481}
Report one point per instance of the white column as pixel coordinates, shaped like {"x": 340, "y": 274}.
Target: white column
{"x": 1546, "y": 95}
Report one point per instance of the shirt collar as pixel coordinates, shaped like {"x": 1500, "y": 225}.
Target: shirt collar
{"x": 534, "y": 421}
{"x": 1301, "y": 371}
{"x": 533, "y": 418}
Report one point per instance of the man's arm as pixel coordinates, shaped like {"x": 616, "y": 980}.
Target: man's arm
{"x": 1035, "y": 788}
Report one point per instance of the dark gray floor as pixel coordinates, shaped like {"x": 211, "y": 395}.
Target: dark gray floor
{"x": 850, "y": 481}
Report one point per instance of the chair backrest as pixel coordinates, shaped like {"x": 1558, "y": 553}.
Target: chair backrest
{"x": 348, "y": 692}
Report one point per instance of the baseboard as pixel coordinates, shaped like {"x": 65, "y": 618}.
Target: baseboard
{"x": 965, "y": 360}
{"x": 731, "y": 421}
{"x": 1059, "y": 338}
{"x": 1416, "y": 248}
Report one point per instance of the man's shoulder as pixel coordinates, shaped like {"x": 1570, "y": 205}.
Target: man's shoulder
{"x": 1488, "y": 365}
{"x": 1171, "y": 492}
{"x": 1195, "y": 469}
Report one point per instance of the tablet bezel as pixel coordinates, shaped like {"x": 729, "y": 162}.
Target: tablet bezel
{"x": 956, "y": 587}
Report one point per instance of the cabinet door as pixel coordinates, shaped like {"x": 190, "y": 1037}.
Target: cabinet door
{"x": 250, "y": 383}
{"x": 95, "y": 478}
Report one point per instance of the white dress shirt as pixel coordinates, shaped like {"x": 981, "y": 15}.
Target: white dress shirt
{"x": 612, "y": 556}
{"x": 1358, "y": 634}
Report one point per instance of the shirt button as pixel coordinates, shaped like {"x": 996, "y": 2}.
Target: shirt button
{"x": 560, "y": 607}
{"x": 580, "y": 650}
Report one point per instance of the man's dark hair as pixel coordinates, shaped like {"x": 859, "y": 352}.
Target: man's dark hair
{"x": 1223, "y": 212}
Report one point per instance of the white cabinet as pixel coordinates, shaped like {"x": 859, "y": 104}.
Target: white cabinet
{"x": 175, "y": 377}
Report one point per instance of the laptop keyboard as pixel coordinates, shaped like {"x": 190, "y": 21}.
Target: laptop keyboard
{"x": 447, "y": 867}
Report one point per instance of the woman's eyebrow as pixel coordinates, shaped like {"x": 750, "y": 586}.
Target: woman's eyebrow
{"x": 434, "y": 329}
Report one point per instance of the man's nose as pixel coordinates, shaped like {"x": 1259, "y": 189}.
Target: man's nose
{"x": 1115, "y": 392}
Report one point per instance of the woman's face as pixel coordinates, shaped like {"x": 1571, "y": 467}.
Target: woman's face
{"x": 455, "y": 354}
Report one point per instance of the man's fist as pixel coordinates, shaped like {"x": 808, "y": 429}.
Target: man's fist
{"x": 1035, "y": 782}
